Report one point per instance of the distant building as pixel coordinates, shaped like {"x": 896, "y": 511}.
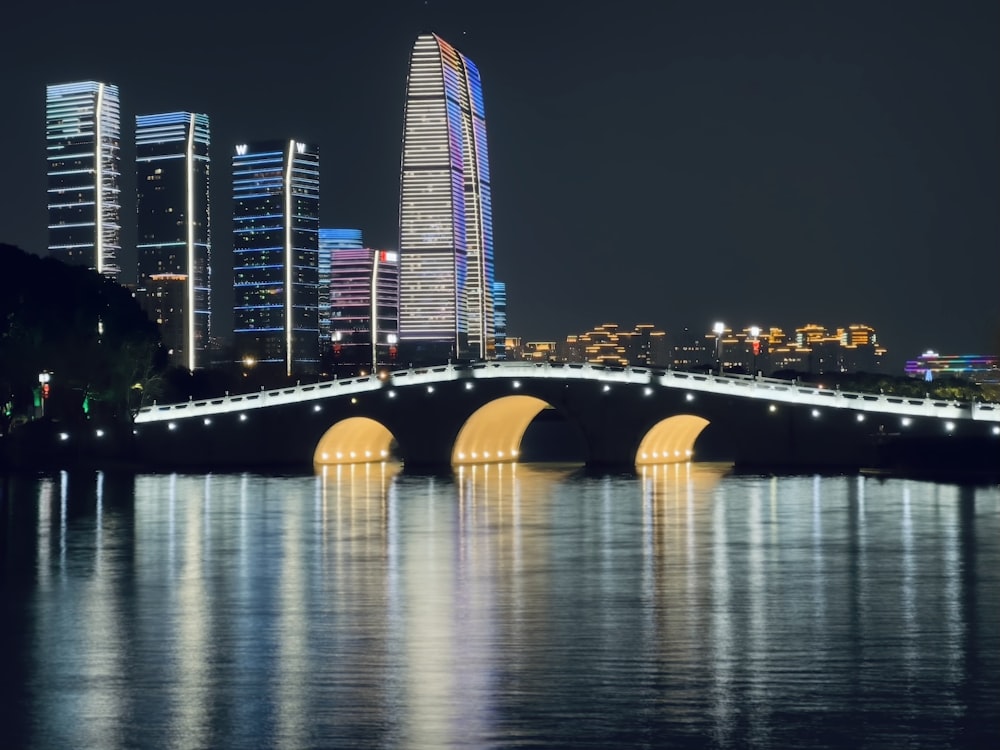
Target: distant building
{"x": 445, "y": 213}
{"x": 275, "y": 248}
{"x": 500, "y": 319}
{"x": 330, "y": 240}
{"x": 607, "y": 344}
{"x": 82, "y": 143}
{"x": 364, "y": 310}
{"x": 174, "y": 240}
{"x": 978, "y": 368}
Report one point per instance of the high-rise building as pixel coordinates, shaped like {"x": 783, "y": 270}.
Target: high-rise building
{"x": 174, "y": 240}
{"x": 500, "y": 319}
{"x": 364, "y": 310}
{"x": 330, "y": 240}
{"x": 275, "y": 248}
{"x": 445, "y": 213}
{"x": 82, "y": 134}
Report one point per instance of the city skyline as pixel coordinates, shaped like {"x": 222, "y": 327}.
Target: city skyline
{"x": 790, "y": 164}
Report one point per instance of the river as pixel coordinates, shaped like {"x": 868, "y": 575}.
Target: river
{"x": 500, "y": 607}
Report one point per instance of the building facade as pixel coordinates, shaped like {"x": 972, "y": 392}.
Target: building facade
{"x": 445, "y": 213}
{"x": 173, "y": 231}
{"x": 330, "y": 240}
{"x": 500, "y": 319}
{"x": 364, "y": 310}
{"x": 82, "y": 142}
{"x": 275, "y": 249}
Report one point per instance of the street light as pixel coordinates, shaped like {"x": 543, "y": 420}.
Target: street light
{"x": 719, "y": 328}
{"x": 43, "y": 388}
{"x": 755, "y": 344}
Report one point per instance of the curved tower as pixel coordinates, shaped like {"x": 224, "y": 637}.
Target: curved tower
{"x": 445, "y": 211}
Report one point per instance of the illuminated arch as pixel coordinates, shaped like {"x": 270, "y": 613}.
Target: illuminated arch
{"x": 670, "y": 441}
{"x": 493, "y": 433}
{"x": 355, "y": 440}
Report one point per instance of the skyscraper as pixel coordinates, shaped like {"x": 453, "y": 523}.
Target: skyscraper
{"x": 82, "y": 133}
{"x": 174, "y": 240}
{"x": 330, "y": 240}
{"x": 445, "y": 213}
{"x": 275, "y": 248}
{"x": 500, "y": 319}
{"x": 364, "y": 309}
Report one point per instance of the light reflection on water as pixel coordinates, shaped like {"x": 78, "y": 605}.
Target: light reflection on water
{"x": 502, "y": 606}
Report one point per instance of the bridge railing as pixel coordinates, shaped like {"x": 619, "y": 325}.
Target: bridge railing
{"x": 742, "y": 385}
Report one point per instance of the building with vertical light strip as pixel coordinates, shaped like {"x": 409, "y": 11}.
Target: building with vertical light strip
{"x": 330, "y": 240}
{"x": 82, "y": 142}
{"x": 364, "y": 310}
{"x": 445, "y": 213}
{"x": 500, "y": 319}
{"x": 174, "y": 238}
{"x": 275, "y": 256}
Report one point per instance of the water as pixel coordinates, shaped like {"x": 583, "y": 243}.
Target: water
{"x": 504, "y": 607}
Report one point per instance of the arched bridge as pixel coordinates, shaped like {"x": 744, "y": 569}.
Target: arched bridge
{"x": 620, "y": 417}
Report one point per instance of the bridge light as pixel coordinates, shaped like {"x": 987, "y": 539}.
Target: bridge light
{"x": 689, "y": 452}
{"x": 64, "y": 436}
{"x": 499, "y": 454}
{"x": 815, "y": 412}
{"x": 606, "y": 388}
{"x": 317, "y": 407}
{"x": 430, "y": 389}
{"x": 325, "y": 455}
{"x": 171, "y": 426}
{"x": 486, "y": 454}
{"x": 996, "y": 430}
{"x": 99, "y": 433}
{"x": 677, "y": 453}
{"x": 644, "y": 456}
{"x": 647, "y": 391}
{"x": 206, "y": 421}
{"x": 689, "y": 397}
{"x": 907, "y": 421}
{"x": 461, "y": 456}
{"x": 517, "y": 383}
{"x": 385, "y": 453}
{"x": 949, "y": 426}
{"x": 861, "y": 417}
{"x": 353, "y": 455}
{"x": 354, "y": 399}
{"x": 772, "y": 408}
{"x": 468, "y": 386}
{"x": 339, "y": 455}
{"x": 392, "y": 394}
{"x": 368, "y": 454}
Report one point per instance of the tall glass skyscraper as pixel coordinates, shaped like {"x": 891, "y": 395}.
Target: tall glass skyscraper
{"x": 82, "y": 134}
{"x": 174, "y": 240}
{"x": 445, "y": 213}
{"x": 500, "y": 319}
{"x": 330, "y": 240}
{"x": 275, "y": 248}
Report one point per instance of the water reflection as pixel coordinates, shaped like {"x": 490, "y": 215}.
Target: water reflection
{"x": 503, "y": 605}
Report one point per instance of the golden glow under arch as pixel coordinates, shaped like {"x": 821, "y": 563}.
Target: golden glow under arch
{"x": 355, "y": 440}
{"x": 670, "y": 440}
{"x": 493, "y": 433}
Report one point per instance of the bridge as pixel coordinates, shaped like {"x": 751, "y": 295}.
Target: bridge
{"x": 448, "y": 415}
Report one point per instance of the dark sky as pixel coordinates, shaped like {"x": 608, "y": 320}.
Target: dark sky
{"x": 678, "y": 163}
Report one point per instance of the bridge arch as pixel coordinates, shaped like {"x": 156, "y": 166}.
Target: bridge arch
{"x": 670, "y": 440}
{"x": 493, "y": 432}
{"x": 354, "y": 440}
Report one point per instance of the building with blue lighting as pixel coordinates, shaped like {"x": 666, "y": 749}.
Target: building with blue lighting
{"x": 500, "y": 319}
{"x": 82, "y": 143}
{"x": 445, "y": 213}
{"x": 330, "y": 240}
{"x": 275, "y": 256}
{"x": 173, "y": 232}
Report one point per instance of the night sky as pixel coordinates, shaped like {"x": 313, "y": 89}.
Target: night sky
{"x": 675, "y": 163}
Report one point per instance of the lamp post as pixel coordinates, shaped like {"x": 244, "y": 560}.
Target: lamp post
{"x": 719, "y": 328}
{"x": 755, "y": 345}
{"x": 43, "y": 387}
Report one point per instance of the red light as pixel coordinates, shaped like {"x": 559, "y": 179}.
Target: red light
{"x": 45, "y": 390}
{"x": 756, "y": 348}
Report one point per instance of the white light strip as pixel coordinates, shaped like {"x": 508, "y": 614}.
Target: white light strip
{"x": 98, "y": 183}
{"x": 190, "y": 343}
